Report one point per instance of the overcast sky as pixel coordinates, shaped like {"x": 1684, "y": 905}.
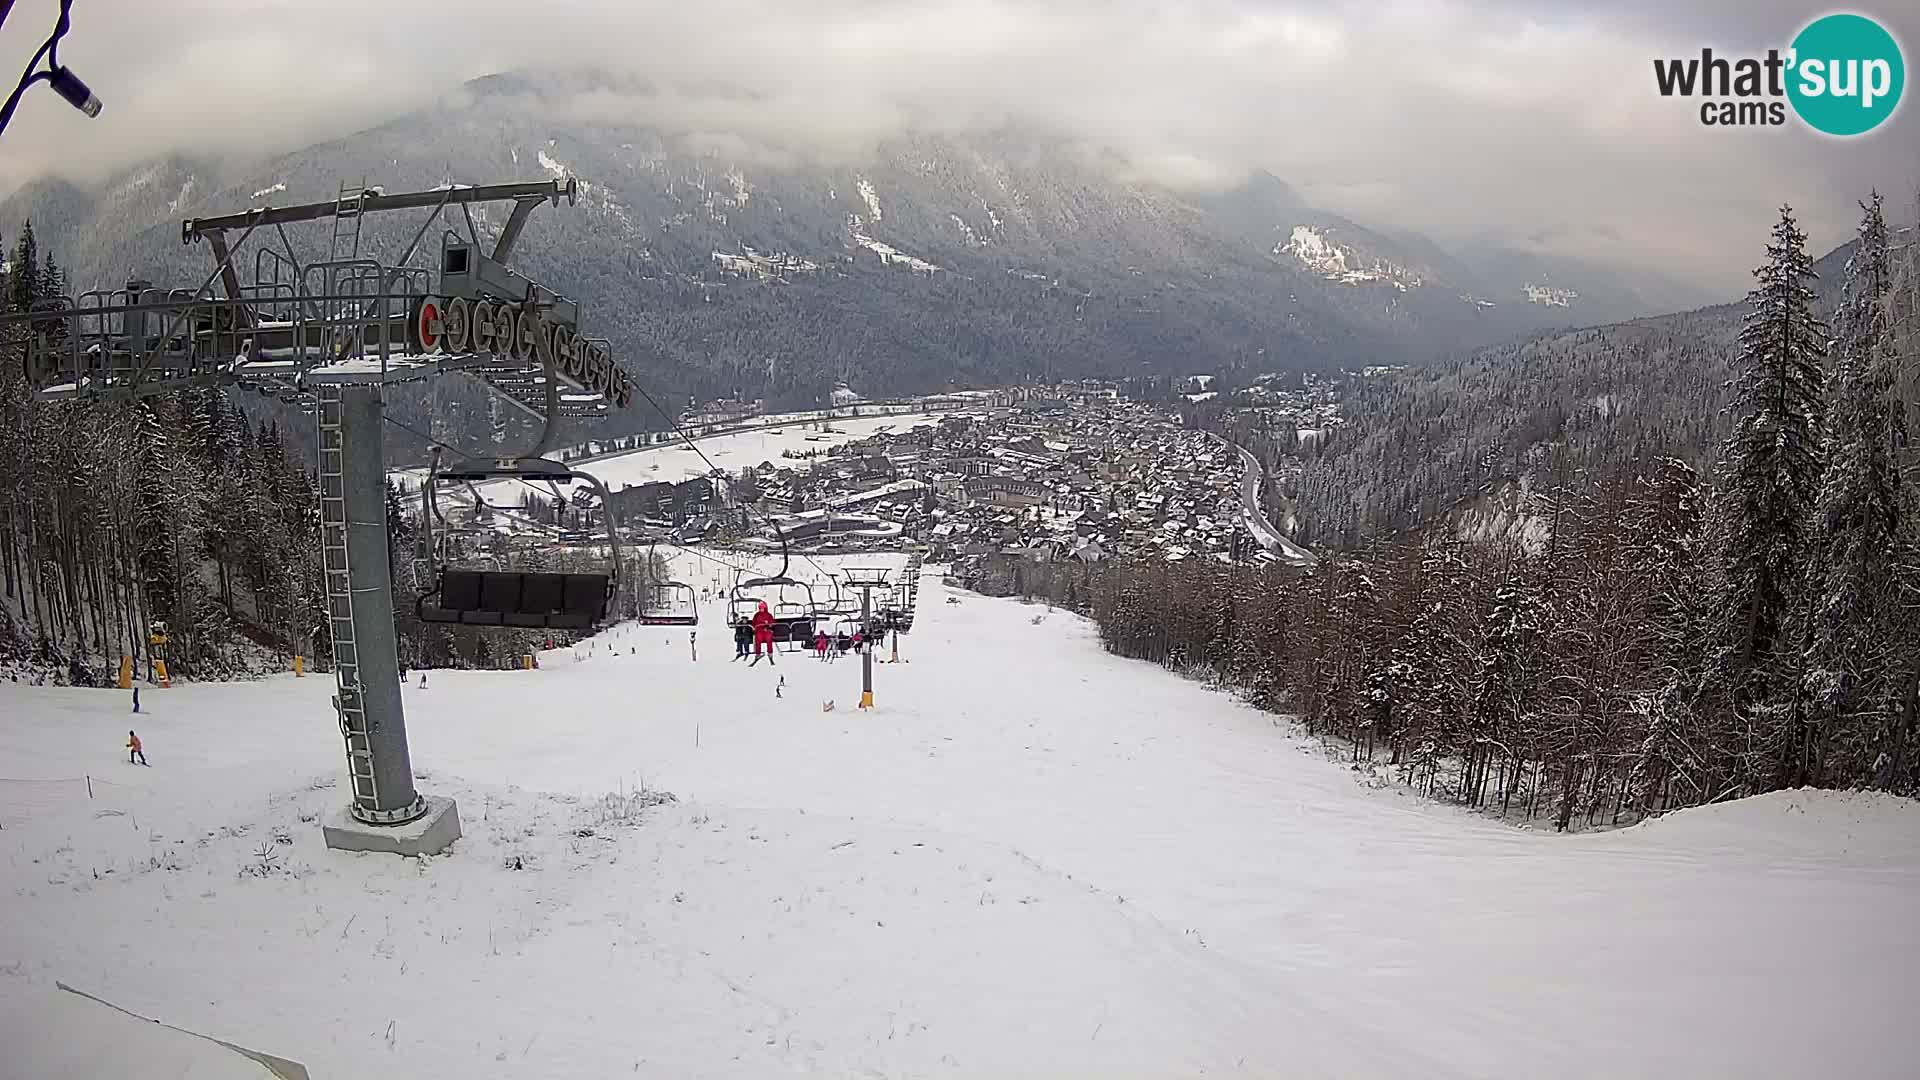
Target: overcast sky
{"x": 1534, "y": 118}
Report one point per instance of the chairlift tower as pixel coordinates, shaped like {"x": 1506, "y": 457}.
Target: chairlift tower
{"x": 336, "y": 332}
{"x": 866, "y": 580}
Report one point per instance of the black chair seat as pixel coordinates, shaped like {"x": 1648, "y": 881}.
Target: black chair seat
{"x": 530, "y": 600}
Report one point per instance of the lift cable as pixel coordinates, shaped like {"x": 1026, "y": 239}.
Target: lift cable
{"x": 785, "y": 552}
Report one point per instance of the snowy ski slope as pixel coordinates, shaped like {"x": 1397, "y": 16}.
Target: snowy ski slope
{"x": 1034, "y": 860}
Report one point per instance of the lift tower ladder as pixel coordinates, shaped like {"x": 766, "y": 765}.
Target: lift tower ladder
{"x": 337, "y": 565}
{"x": 349, "y": 207}
{"x": 351, "y": 701}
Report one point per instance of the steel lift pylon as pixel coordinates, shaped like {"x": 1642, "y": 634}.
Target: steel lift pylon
{"x": 336, "y": 332}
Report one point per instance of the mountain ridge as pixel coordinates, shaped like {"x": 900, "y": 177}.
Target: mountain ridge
{"x": 930, "y": 261}
{"x": 1473, "y": 433}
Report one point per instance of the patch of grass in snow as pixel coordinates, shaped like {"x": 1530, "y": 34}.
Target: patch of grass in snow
{"x": 267, "y": 863}
{"x": 617, "y": 809}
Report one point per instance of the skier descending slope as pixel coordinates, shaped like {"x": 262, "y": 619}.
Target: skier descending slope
{"x": 762, "y": 633}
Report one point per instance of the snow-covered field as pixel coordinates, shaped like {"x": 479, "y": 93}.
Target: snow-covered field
{"x": 1033, "y": 860}
{"x": 677, "y": 461}
{"x": 720, "y": 568}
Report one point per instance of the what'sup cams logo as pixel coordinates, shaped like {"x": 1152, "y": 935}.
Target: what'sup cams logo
{"x": 1843, "y": 75}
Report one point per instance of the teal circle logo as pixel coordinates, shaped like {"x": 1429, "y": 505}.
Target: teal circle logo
{"x": 1846, "y": 74}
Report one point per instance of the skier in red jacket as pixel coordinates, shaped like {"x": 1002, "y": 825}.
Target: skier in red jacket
{"x": 762, "y": 634}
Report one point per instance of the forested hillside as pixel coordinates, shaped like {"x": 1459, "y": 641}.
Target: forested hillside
{"x": 1483, "y": 430}
{"x": 1673, "y": 631}
{"x": 173, "y": 510}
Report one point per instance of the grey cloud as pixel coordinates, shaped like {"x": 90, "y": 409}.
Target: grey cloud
{"x": 1532, "y": 121}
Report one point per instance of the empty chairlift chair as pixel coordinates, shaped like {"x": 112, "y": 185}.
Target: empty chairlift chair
{"x": 667, "y": 602}
{"x": 670, "y": 603}
{"x": 518, "y": 598}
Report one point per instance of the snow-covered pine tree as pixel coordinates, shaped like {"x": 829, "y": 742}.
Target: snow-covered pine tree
{"x": 53, "y": 279}
{"x": 272, "y": 580}
{"x": 402, "y": 543}
{"x": 1896, "y": 764}
{"x": 1509, "y": 675}
{"x": 254, "y": 509}
{"x": 1666, "y": 555}
{"x": 52, "y": 286}
{"x": 1263, "y": 633}
{"x": 308, "y": 616}
{"x": 213, "y": 430}
{"x": 157, "y": 522}
{"x": 1770, "y": 471}
{"x": 23, "y": 271}
{"x": 1440, "y": 633}
{"x": 1662, "y": 760}
{"x": 1856, "y": 526}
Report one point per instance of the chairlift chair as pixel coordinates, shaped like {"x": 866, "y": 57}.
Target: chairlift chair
{"x": 790, "y": 602}
{"x": 845, "y": 602}
{"x": 849, "y": 625}
{"x": 670, "y": 603}
{"x": 517, "y": 598}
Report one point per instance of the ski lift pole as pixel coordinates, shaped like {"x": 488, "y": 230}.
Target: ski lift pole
{"x": 866, "y": 649}
{"x": 368, "y": 667}
{"x": 865, "y": 580}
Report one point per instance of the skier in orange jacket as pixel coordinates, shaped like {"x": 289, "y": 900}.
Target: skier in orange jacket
{"x": 133, "y": 749}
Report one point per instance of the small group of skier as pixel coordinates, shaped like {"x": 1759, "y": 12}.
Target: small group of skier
{"x": 826, "y": 647}
{"x": 755, "y": 636}
{"x": 758, "y": 633}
